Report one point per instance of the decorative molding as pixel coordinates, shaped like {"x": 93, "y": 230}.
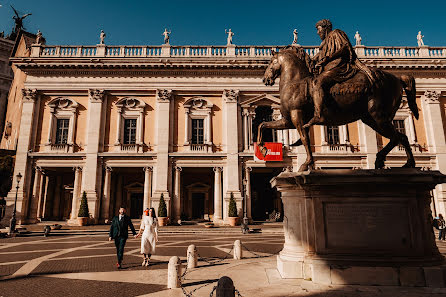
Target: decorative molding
{"x": 96, "y": 95}
{"x": 432, "y": 96}
{"x": 231, "y": 95}
{"x": 108, "y": 168}
{"x": 148, "y": 168}
{"x": 217, "y": 169}
{"x": 29, "y": 95}
{"x": 163, "y": 95}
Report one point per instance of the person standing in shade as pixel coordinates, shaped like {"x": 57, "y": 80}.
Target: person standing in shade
{"x": 441, "y": 227}
{"x": 119, "y": 232}
{"x": 150, "y": 235}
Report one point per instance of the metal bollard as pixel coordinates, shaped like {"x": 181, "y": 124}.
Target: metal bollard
{"x": 238, "y": 250}
{"x": 192, "y": 259}
{"x": 174, "y": 273}
{"x": 225, "y": 287}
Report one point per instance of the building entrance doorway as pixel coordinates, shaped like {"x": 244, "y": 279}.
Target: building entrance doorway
{"x": 136, "y": 204}
{"x": 264, "y": 199}
{"x": 198, "y": 205}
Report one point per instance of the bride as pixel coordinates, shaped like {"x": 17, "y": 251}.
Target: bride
{"x": 149, "y": 225}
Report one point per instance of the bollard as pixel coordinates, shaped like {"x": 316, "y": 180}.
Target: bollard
{"x": 174, "y": 273}
{"x": 192, "y": 259}
{"x": 237, "y": 250}
{"x": 225, "y": 287}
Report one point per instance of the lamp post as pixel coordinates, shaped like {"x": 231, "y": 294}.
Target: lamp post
{"x": 244, "y": 225}
{"x": 13, "y": 219}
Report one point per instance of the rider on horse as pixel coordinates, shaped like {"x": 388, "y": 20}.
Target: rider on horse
{"x": 335, "y": 62}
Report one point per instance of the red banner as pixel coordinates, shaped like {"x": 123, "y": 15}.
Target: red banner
{"x": 274, "y": 152}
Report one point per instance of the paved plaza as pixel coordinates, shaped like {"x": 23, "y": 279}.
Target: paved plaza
{"x": 82, "y": 263}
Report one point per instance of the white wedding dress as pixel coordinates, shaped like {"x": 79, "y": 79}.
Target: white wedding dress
{"x": 148, "y": 239}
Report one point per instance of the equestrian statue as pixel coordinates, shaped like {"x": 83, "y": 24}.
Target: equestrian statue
{"x": 336, "y": 88}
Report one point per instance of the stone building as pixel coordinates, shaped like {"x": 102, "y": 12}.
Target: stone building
{"x": 126, "y": 124}
{"x": 6, "y": 76}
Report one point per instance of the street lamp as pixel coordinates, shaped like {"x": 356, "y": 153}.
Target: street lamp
{"x": 244, "y": 226}
{"x": 13, "y": 219}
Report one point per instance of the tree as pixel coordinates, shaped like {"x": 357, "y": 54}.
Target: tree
{"x": 232, "y": 212}
{"x": 83, "y": 209}
{"x": 162, "y": 208}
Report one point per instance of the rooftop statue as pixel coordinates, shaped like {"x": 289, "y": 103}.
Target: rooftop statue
{"x": 102, "y": 37}
{"x": 358, "y": 38}
{"x": 295, "y": 36}
{"x": 166, "y": 36}
{"x": 420, "y": 39}
{"x": 39, "y": 37}
{"x": 230, "y": 34}
{"x": 18, "y": 20}
{"x": 335, "y": 88}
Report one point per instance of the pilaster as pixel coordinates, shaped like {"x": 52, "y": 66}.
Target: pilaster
{"x": 369, "y": 145}
{"x": 92, "y": 172}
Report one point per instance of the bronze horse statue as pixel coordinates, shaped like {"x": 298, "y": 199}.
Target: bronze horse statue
{"x": 347, "y": 102}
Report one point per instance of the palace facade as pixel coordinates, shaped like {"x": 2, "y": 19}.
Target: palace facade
{"x": 127, "y": 124}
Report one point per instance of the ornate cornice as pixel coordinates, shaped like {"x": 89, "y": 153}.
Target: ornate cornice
{"x": 29, "y": 95}
{"x": 163, "y": 95}
{"x": 231, "y": 95}
{"x": 96, "y": 95}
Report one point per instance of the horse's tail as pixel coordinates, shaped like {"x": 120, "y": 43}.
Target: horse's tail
{"x": 409, "y": 87}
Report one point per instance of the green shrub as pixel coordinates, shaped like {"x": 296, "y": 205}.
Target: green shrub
{"x": 232, "y": 207}
{"x": 162, "y": 208}
{"x": 83, "y": 209}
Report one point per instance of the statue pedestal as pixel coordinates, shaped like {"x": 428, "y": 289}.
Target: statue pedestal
{"x": 369, "y": 227}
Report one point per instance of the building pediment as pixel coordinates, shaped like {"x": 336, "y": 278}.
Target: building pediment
{"x": 261, "y": 100}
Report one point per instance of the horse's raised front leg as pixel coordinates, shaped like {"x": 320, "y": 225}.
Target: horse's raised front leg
{"x": 298, "y": 122}
{"x": 278, "y": 125}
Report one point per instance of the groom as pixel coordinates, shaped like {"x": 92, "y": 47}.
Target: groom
{"x": 119, "y": 232}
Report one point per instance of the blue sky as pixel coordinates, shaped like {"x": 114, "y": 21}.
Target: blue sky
{"x": 139, "y": 22}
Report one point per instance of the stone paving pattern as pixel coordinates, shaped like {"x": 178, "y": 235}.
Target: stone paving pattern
{"x": 84, "y": 265}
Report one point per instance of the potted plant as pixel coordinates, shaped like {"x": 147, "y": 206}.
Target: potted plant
{"x": 162, "y": 212}
{"x": 82, "y": 216}
{"x": 232, "y": 212}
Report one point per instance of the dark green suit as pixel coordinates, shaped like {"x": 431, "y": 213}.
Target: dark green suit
{"x": 119, "y": 231}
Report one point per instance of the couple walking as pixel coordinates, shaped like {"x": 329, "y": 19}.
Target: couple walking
{"x": 148, "y": 229}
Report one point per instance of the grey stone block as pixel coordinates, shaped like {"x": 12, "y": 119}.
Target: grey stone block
{"x": 321, "y": 274}
{"x": 434, "y": 277}
{"x": 381, "y": 276}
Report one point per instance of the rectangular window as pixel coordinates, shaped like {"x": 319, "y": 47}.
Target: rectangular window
{"x": 197, "y": 131}
{"x": 333, "y": 134}
{"x": 129, "y": 131}
{"x": 399, "y": 126}
{"x": 62, "y": 131}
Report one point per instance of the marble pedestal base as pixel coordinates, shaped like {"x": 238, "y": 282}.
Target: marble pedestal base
{"x": 369, "y": 227}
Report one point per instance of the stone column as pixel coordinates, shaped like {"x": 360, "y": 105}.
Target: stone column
{"x": 47, "y": 197}
{"x": 245, "y": 130}
{"x": 21, "y": 164}
{"x": 147, "y": 186}
{"x": 92, "y": 171}
{"x": 251, "y": 117}
{"x": 186, "y": 126}
{"x": 118, "y": 127}
{"x": 162, "y": 130}
{"x": 177, "y": 194}
{"x": 57, "y": 198}
{"x": 74, "y": 202}
{"x": 217, "y": 195}
{"x": 35, "y": 196}
{"x": 42, "y": 195}
{"x": 369, "y": 145}
{"x": 433, "y": 123}
{"x": 106, "y": 196}
{"x": 231, "y": 178}
{"x": 248, "y": 192}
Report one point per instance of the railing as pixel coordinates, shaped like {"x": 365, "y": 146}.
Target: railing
{"x": 199, "y": 147}
{"x": 339, "y": 148}
{"x": 59, "y": 147}
{"x": 222, "y": 51}
{"x": 129, "y": 148}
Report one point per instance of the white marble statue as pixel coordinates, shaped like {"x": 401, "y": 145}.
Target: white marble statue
{"x": 420, "y": 39}
{"x": 102, "y": 37}
{"x": 39, "y": 37}
{"x": 230, "y": 34}
{"x": 358, "y": 38}
{"x": 166, "y": 36}
{"x": 295, "y": 36}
